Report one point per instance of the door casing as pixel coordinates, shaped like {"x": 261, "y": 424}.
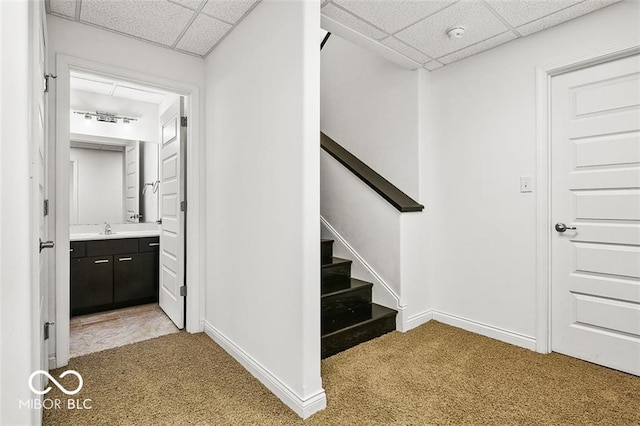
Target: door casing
{"x": 543, "y": 178}
{"x": 194, "y": 265}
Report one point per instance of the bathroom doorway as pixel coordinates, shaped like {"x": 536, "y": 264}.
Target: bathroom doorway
{"x": 125, "y": 226}
{"x": 125, "y": 279}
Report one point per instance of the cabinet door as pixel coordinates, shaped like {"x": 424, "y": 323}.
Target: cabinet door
{"x": 135, "y": 276}
{"x": 91, "y": 282}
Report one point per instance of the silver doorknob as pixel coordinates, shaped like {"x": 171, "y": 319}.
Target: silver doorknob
{"x": 561, "y": 227}
{"x": 46, "y": 244}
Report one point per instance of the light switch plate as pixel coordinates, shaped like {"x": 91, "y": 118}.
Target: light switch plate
{"x": 526, "y": 184}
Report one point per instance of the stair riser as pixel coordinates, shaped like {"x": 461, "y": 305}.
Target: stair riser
{"x": 326, "y": 252}
{"x": 334, "y": 305}
{"x": 345, "y": 318}
{"x": 346, "y": 339}
{"x": 336, "y": 277}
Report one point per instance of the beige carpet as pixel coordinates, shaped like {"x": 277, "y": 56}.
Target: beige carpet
{"x": 434, "y": 374}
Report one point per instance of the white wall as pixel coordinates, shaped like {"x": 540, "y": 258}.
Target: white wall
{"x": 99, "y": 185}
{"x": 145, "y": 128}
{"x": 19, "y": 344}
{"x": 482, "y": 134}
{"x": 263, "y": 238}
{"x": 370, "y": 106}
{"x": 143, "y": 63}
{"x": 364, "y": 219}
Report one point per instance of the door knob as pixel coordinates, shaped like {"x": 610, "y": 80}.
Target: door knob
{"x": 561, "y": 227}
{"x": 46, "y": 244}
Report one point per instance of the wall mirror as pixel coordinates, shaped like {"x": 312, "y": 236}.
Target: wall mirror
{"x": 112, "y": 180}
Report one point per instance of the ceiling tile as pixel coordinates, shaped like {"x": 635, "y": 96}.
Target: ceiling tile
{"x": 563, "y": 16}
{"x": 393, "y": 15}
{"x": 348, "y": 20}
{"x": 433, "y": 65}
{"x": 63, "y": 7}
{"x": 202, "y": 35}
{"x": 479, "y": 47}
{"x": 157, "y": 21}
{"x": 227, "y": 10}
{"x": 430, "y": 34}
{"x": 408, "y": 51}
{"x": 518, "y": 13}
{"x": 191, "y": 4}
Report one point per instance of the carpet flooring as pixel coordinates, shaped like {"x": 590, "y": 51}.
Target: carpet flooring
{"x": 434, "y": 374}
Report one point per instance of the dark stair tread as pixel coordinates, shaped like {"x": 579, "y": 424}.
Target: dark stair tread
{"x": 377, "y": 312}
{"x": 336, "y": 261}
{"x": 355, "y": 284}
{"x": 326, "y": 240}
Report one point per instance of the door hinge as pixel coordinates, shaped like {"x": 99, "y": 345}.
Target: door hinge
{"x": 183, "y": 121}
{"x": 47, "y": 325}
{"x": 183, "y": 206}
{"x": 183, "y": 290}
{"x": 46, "y": 207}
{"x": 46, "y": 81}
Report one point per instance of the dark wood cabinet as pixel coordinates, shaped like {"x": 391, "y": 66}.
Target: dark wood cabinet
{"x": 135, "y": 276}
{"x": 93, "y": 279}
{"x": 109, "y": 274}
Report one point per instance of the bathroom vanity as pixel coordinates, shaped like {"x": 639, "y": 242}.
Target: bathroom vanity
{"x": 109, "y": 272}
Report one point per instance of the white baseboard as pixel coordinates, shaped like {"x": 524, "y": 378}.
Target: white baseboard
{"x": 53, "y": 362}
{"x": 416, "y": 320}
{"x": 302, "y": 407}
{"x": 506, "y": 336}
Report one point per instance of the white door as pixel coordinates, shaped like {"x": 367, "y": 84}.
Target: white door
{"x": 132, "y": 182}
{"x": 38, "y": 147}
{"x": 173, "y": 219}
{"x": 595, "y": 137}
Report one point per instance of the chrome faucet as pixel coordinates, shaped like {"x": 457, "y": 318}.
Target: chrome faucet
{"x": 107, "y": 229}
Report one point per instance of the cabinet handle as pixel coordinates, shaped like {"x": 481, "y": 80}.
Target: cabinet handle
{"x": 102, "y": 261}
{"x": 124, "y": 259}
{"x": 153, "y": 244}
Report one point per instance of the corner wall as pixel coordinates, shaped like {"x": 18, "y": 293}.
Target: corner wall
{"x": 263, "y": 235}
{"x": 482, "y": 133}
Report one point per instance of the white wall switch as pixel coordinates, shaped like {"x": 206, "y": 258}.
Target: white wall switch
{"x": 526, "y": 184}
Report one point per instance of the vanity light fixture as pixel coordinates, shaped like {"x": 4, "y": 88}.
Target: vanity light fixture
{"x": 106, "y": 117}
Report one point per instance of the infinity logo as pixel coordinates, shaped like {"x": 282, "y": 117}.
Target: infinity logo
{"x": 62, "y": 388}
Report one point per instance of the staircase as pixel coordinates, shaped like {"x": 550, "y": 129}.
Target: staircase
{"x": 348, "y": 317}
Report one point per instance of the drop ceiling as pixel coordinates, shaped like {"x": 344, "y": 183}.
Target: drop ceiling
{"x": 189, "y": 26}
{"x": 414, "y": 30}
{"x": 417, "y": 29}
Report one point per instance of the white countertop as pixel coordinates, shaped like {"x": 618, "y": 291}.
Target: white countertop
{"x": 113, "y": 236}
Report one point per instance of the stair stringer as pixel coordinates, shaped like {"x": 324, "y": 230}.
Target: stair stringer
{"x": 383, "y": 294}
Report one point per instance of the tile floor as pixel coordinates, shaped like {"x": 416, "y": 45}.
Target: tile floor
{"x": 105, "y": 330}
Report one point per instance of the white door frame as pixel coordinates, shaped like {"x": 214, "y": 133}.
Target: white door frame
{"x": 194, "y": 264}
{"x": 543, "y": 178}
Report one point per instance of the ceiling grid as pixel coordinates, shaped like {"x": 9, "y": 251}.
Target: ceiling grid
{"x": 415, "y": 29}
